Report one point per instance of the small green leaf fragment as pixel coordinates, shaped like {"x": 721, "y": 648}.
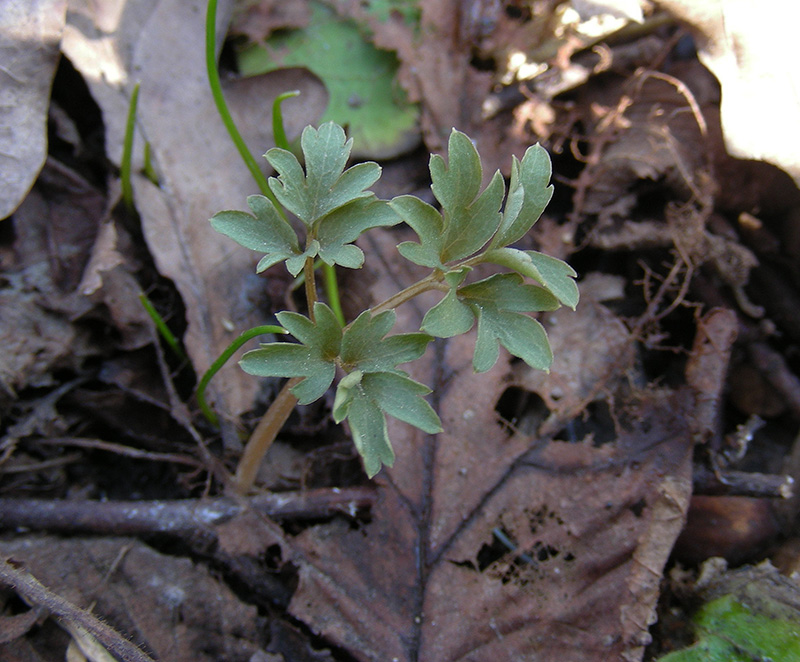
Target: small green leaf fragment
{"x": 553, "y": 274}
{"x": 346, "y": 224}
{"x": 533, "y": 177}
{"x": 729, "y": 630}
{"x": 265, "y": 232}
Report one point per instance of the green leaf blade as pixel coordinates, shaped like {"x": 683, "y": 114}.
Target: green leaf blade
{"x": 553, "y": 274}
{"x": 456, "y": 183}
{"x": 290, "y": 360}
{"x": 344, "y": 225}
{"x": 508, "y": 292}
{"x": 427, "y": 222}
{"x": 471, "y": 226}
{"x": 533, "y": 177}
{"x": 522, "y": 336}
{"x": 448, "y": 318}
{"x": 401, "y": 397}
{"x": 364, "y": 347}
{"x": 265, "y": 231}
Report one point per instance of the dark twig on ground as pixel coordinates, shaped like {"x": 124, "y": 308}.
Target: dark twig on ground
{"x": 180, "y": 518}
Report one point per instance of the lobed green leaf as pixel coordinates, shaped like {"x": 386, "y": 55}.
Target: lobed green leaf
{"x": 498, "y": 302}
{"x": 468, "y": 228}
{"x": 450, "y": 317}
{"x": 266, "y": 231}
{"x": 529, "y": 194}
{"x": 364, "y": 347}
{"x": 314, "y": 359}
{"x": 553, "y": 274}
{"x": 457, "y": 182}
{"x": 364, "y": 399}
{"x": 344, "y": 225}
{"x": 428, "y": 224}
{"x": 325, "y": 185}
{"x": 521, "y": 335}
{"x": 508, "y": 292}
{"x": 291, "y": 360}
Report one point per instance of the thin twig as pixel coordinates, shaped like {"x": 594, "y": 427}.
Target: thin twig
{"x": 121, "y": 449}
{"x": 180, "y": 517}
{"x": 28, "y": 587}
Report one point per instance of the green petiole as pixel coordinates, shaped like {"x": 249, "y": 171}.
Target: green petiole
{"x": 222, "y": 359}
{"x": 278, "y": 130}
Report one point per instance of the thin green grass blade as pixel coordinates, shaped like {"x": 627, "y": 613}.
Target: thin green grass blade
{"x": 127, "y": 151}
{"x": 162, "y": 328}
{"x": 222, "y": 359}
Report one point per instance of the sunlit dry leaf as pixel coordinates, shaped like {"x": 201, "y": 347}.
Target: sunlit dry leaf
{"x": 745, "y": 51}
{"x": 30, "y": 31}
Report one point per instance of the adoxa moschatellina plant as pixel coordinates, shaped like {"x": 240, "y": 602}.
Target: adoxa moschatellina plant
{"x": 335, "y": 206}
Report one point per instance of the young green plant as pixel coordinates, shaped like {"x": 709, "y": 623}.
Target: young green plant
{"x": 335, "y": 206}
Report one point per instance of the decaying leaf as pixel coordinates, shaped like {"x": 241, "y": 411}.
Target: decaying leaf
{"x": 504, "y": 545}
{"x": 743, "y": 48}
{"x": 359, "y": 79}
{"x": 167, "y": 605}
{"x": 30, "y": 31}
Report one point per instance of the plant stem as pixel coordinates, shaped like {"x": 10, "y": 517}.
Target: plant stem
{"x": 278, "y": 130}
{"x": 432, "y": 282}
{"x": 332, "y": 291}
{"x": 33, "y": 592}
{"x": 161, "y": 327}
{"x": 311, "y": 286}
{"x": 263, "y": 436}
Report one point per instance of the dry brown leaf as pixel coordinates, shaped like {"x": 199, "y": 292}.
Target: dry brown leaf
{"x": 746, "y": 51}
{"x": 166, "y": 605}
{"x": 55, "y": 227}
{"x": 30, "y": 31}
{"x": 488, "y": 544}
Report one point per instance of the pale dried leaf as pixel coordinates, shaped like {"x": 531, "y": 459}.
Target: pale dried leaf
{"x": 30, "y": 31}
{"x": 161, "y": 45}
